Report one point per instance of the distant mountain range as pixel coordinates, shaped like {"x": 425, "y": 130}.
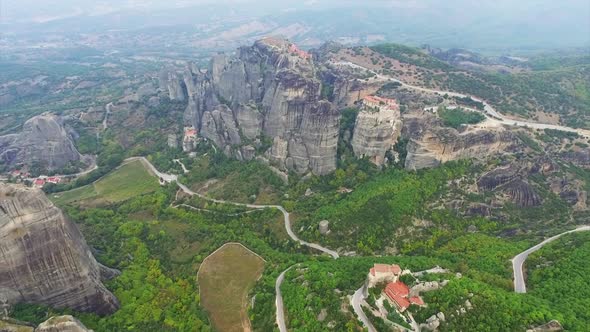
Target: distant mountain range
{"x": 475, "y": 25}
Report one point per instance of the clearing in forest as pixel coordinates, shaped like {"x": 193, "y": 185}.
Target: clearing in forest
{"x": 125, "y": 182}
{"x": 225, "y": 279}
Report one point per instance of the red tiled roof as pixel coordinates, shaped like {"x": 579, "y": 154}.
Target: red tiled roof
{"x": 398, "y": 288}
{"x": 53, "y": 179}
{"x": 402, "y": 302}
{"x": 379, "y": 100}
{"x": 416, "y": 300}
{"x": 39, "y": 182}
{"x": 190, "y": 132}
{"x": 385, "y": 268}
{"x": 294, "y": 49}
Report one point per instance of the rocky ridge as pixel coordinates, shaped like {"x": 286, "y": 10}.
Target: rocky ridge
{"x": 43, "y": 140}
{"x": 44, "y": 258}
{"x": 430, "y": 143}
{"x": 266, "y": 92}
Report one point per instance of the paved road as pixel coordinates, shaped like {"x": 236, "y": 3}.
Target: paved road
{"x": 356, "y": 301}
{"x": 518, "y": 260}
{"x": 280, "y": 314}
{"x": 488, "y": 111}
{"x": 280, "y": 310}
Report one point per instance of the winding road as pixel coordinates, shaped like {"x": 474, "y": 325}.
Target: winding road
{"x": 280, "y": 310}
{"x": 494, "y": 117}
{"x": 518, "y": 260}
{"x": 280, "y": 313}
{"x": 356, "y": 301}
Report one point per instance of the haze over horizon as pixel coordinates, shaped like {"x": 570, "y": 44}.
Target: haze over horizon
{"x": 457, "y": 23}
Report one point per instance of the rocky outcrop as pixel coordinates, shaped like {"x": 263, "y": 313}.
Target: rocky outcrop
{"x": 431, "y": 144}
{"x": 522, "y": 193}
{"x": 65, "y": 323}
{"x": 44, "y": 141}
{"x": 497, "y": 177}
{"x": 375, "y": 133}
{"x": 551, "y": 326}
{"x": 175, "y": 89}
{"x": 265, "y": 92}
{"x": 44, "y": 258}
{"x": 510, "y": 180}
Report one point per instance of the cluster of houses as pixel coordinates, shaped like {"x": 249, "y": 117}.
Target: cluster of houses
{"x": 380, "y": 103}
{"x": 396, "y": 291}
{"x": 38, "y": 182}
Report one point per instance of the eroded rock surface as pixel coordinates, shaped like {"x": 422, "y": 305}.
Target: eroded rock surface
{"x": 65, "y": 323}
{"x": 44, "y": 258}
{"x": 375, "y": 133}
{"x": 431, "y": 144}
{"x": 270, "y": 91}
{"x": 43, "y": 141}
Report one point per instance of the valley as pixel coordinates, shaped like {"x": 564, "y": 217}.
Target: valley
{"x": 290, "y": 184}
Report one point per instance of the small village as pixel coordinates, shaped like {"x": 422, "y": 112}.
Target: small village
{"x": 37, "y": 182}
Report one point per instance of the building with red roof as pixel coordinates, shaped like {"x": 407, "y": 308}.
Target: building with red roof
{"x": 380, "y": 103}
{"x": 384, "y": 273}
{"x": 53, "y": 179}
{"x": 417, "y": 300}
{"x": 398, "y": 293}
{"x": 300, "y": 53}
{"x": 39, "y": 183}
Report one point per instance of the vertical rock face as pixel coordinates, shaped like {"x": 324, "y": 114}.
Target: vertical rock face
{"x": 431, "y": 144}
{"x": 375, "y": 133}
{"x": 268, "y": 90}
{"x": 43, "y": 140}
{"x": 44, "y": 258}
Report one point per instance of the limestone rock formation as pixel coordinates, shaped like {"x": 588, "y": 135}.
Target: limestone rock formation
{"x": 375, "y": 133}
{"x": 431, "y": 144}
{"x": 65, "y": 323}
{"x": 265, "y": 92}
{"x": 44, "y": 258}
{"x": 43, "y": 141}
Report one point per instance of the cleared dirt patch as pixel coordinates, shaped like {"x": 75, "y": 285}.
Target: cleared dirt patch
{"x": 225, "y": 278}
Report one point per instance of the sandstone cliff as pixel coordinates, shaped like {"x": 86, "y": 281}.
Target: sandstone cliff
{"x": 375, "y": 133}
{"x": 431, "y": 144}
{"x": 44, "y": 258}
{"x": 268, "y": 91}
{"x": 43, "y": 141}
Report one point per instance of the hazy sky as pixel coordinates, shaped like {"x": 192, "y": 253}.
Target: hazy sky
{"x": 44, "y": 10}
{"x": 531, "y": 22}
